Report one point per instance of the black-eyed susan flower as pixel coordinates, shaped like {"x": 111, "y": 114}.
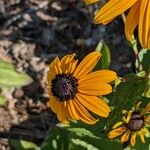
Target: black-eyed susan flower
{"x": 134, "y": 122}
{"x": 73, "y": 88}
{"x": 138, "y": 15}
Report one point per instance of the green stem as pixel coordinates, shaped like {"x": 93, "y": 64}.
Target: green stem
{"x": 48, "y": 132}
{"x": 133, "y": 44}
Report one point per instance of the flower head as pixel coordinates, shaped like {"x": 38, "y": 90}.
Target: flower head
{"x": 139, "y": 15}
{"x": 134, "y": 122}
{"x": 73, "y": 89}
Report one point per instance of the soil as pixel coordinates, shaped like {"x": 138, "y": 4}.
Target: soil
{"x": 33, "y": 33}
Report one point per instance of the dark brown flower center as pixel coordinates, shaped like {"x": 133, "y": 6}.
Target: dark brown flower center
{"x": 64, "y": 87}
{"x": 136, "y": 122}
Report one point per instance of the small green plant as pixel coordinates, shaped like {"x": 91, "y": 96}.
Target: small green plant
{"x": 10, "y": 78}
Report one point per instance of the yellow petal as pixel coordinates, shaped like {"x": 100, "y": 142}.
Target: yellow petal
{"x": 143, "y": 131}
{"x": 147, "y": 109}
{"x": 87, "y": 64}
{"x": 112, "y": 9}
{"x": 57, "y": 66}
{"x": 72, "y": 66}
{"x": 142, "y": 138}
{"x": 52, "y": 67}
{"x": 62, "y": 114}
{"x": 132, "y": 21}
{"x": 83, "y": 113}
{"x": 127, "y": 118}
{"x": 116, "y": 132}
{"x": 147, "y": 120}
{"x": 142, "y": 134}
{"x": 90, "y": 1}
{"x": 66, "y": 62}
{"x": 54, "y": 105}
{"x": 94, "y": 104}
{"x": 50, "y": 76}
{"x": 96, "y": 89}
{"x": 72, "y": 111}
{"x": 144, "y": 23}
{"x": 117, "y": 124}
{"x": 133, "y": 138}
{"x": 105, "y": 76}
{"x": 125, "y": 136}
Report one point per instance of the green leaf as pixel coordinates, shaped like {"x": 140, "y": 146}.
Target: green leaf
{"x": 57, "y": 140}
{"x": 83, "y": 144}
{"x": 2, "y": 100}
{"x": 144, "y": 57}
{"x": 105, "y": 60}
{"x": 10, "y": 78}
{"x": 23, "y": 145}
{"x": 126, "y": 95}
{"x": 78, "y": 136}
{"x": 82, "y": 130}
{"x": 147, "y": 89}
{"x": 94, "y": 144}
{"x": 89, "y": 137}
{"x": 6, "y": 65}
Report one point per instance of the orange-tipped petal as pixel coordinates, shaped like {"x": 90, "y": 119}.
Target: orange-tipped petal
{"x": 57, "y": 66}
{"x": 133, "y": 138}
{"x": 62, "y": 113}
{"x": 96, "y": 89}
{"x": 72, "y": 111}
{"x": 125, "y": 136}
{"x": 116, "y": 132}
{"x": 54, "y": 105}
{"x": 83, "y": 113}
{"x": 87, "y": 64}
{"x": 112, "y": 9}
{"x": 144, "y": 23}
{"x": 66, "y": 61}
{"x": 94, "y": 104}
{"x": 105, "y": 76}
{"x": 132, "y": 21}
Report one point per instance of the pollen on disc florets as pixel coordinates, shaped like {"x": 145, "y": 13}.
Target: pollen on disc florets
{"x": 136, "y": 122}
{"x": 64, "y": 87}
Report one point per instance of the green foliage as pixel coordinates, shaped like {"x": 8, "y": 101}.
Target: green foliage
{"x": 58, "y": 140}
{"x": 78, "y": 136}
{"x": 105, "y": 60}
{"x": 23, "y": 145}
{"x": 10, "y": 78}
{"x": 6, "y": 65}
{"x": 147, "y": 89}
{"x": 144, "y": 58}
{"x": 126, "y": 95}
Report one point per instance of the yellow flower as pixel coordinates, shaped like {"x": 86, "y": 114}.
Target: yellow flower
{"x": 134, "y": 122}
{"x": 74, "y": 89}
{"x": 139, "y": 15}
